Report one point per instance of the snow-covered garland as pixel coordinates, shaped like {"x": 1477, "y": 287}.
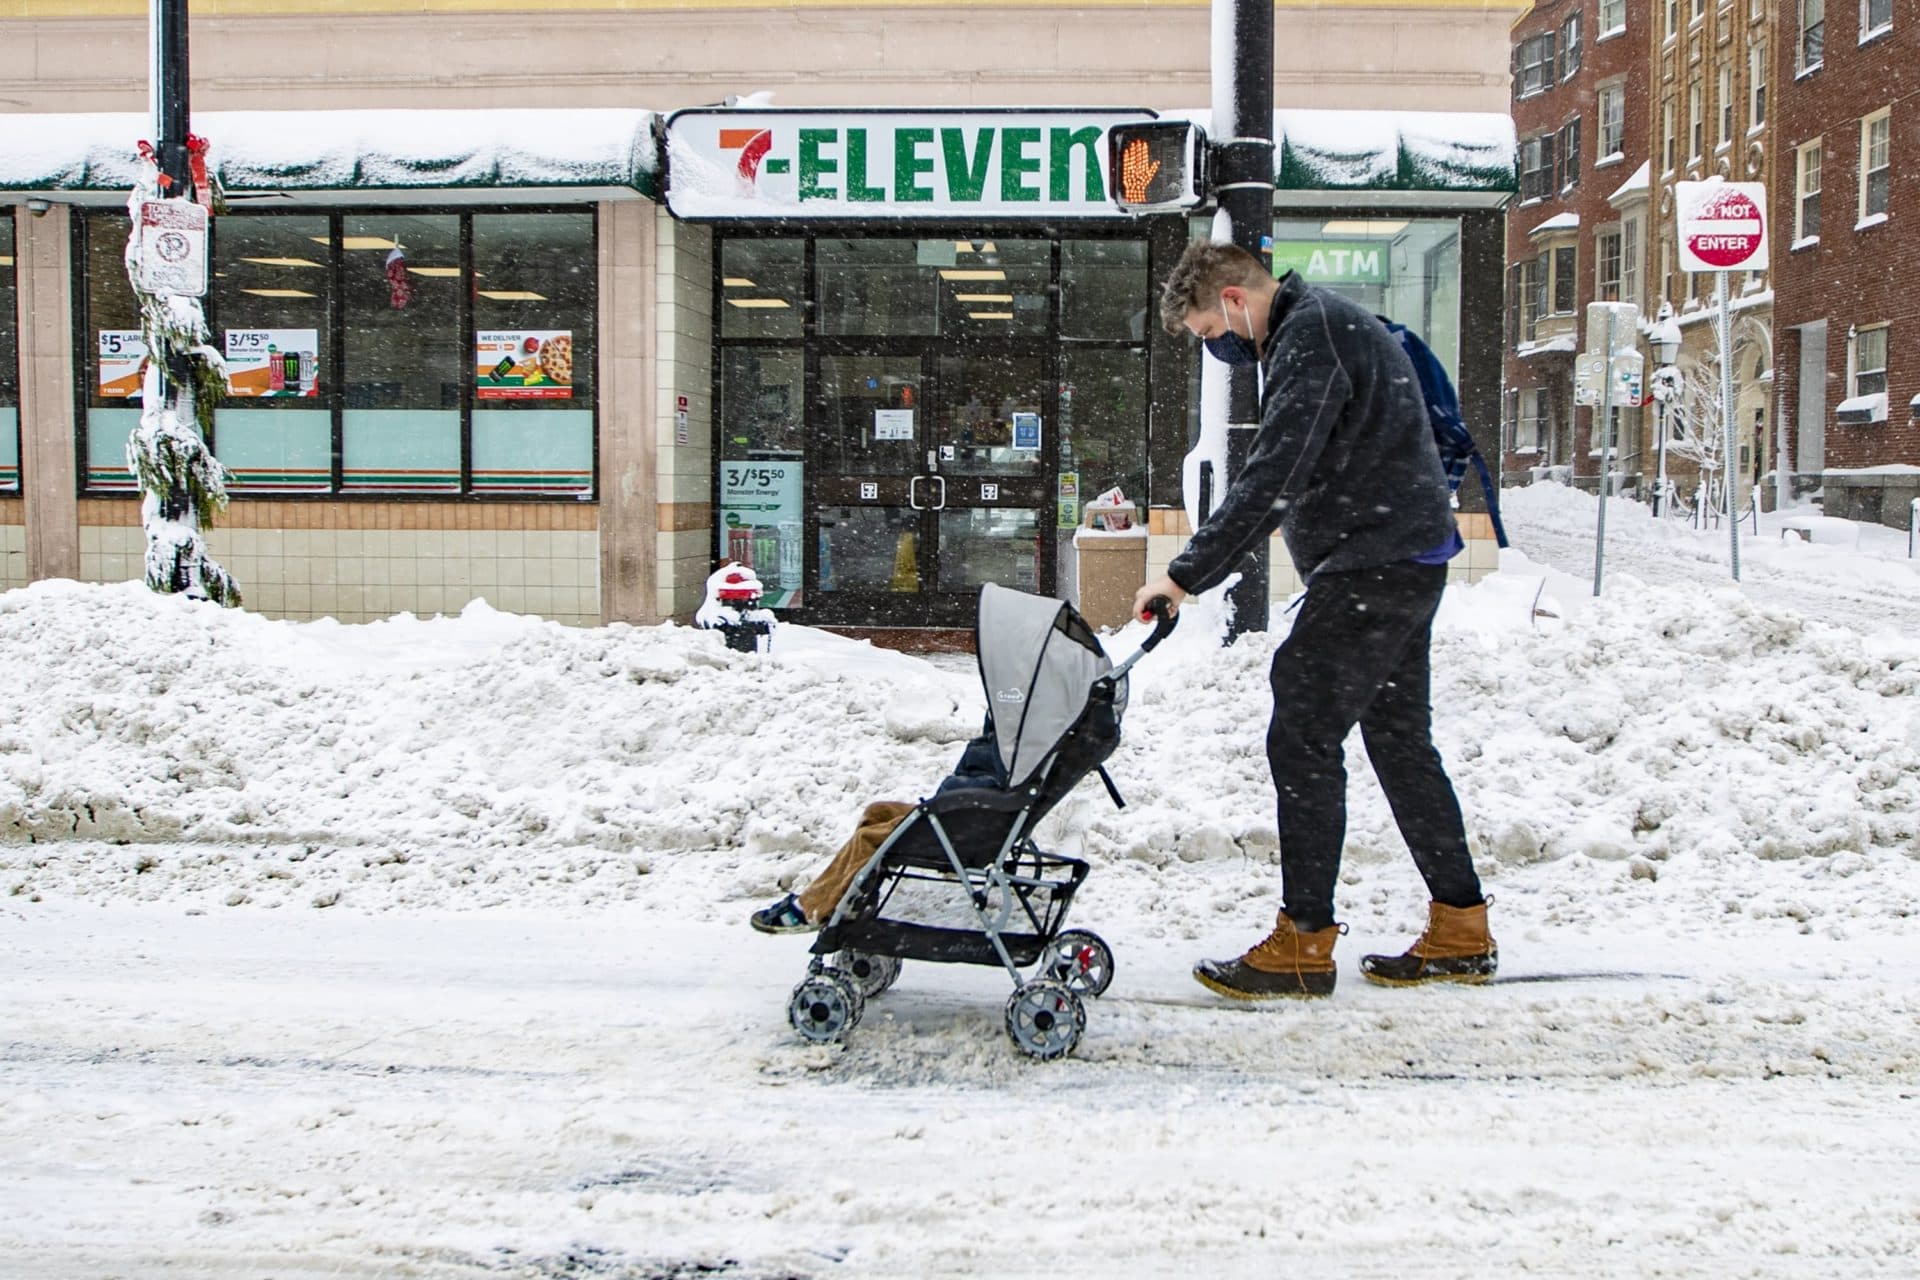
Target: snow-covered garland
{"x": 167, "y": 452}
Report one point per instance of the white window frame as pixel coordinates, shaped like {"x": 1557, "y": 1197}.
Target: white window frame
{"x": 1544, "y": 40}
{"x": 1756, "y": 10}
{"x": 1611, "y": 109}
{"x": 1756, "y": 85}
{"x": 1527, "y": 426}
{"x": 1630, "y": 259}
{"x": 1884, "y": 118}
{"x": 1696, "y": 120}
{"x": 1856, "y": 370}
{"x": 1566, "y": 155}
{"x": 1570, "y": 54}
{"x": 1612, "y": 19}
{"x": 1699, "y": 12}
{"x": 1607, "y": 250}
{"x": 1669, "y": 148}
{"x": 1872, "y": 32}
{"x": 1802, "y": 192}
{"x": 1551, "y": 306}
{"x": 1673, "y": 18}
{"x": 1813, "y": 34}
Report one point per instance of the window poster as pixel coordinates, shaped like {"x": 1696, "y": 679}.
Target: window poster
{"x": 123, "y": 363}
{"x": 760, "y": 525}
{"x": 523, "y": 364}
{"x": 273, "y": 363}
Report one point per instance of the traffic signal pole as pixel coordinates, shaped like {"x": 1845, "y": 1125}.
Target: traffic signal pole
{"x": 1243, "y": 191}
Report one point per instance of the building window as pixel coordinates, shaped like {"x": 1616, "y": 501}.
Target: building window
{"x": 1876, "y": 16}
{"x": 1606, "y": 249}
{"x": 373, "y": 353}
{"x": 1699, "y": 9}
{"x": 1537, "y": 167}
{"x": 1527, "y": 285}
{"x": 1756, "y": 84}
{"x": 1630, "y": 260}
{"x": 1529, "y": 429}
{"x": 1806, "y": 217}
{"x": 1536, "y": 65}
{"x": 1566, "y": 281}
{"x": 1613, "y": 17}
{"x": 9, "y": 359}
{"x": 1570, "y": 47}
{"x": 1613, "y": 120}
{"x": 1673, "y": 18}
{"x": 1570, "y": 155}
{"x": 1667, "y": 138}
{"x": 1726, "y": 105}
{"x": 1696, "y": 123}
{"x": 1875, "y": 164}
{"x": 1813, "y": 34}
{"x": 1870, "y": 362}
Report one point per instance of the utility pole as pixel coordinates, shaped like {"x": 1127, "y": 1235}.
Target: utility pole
{"x": 167, "y": 89}
{"x": 1243, "y": 186}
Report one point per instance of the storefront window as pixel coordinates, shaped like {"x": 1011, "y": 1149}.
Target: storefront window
{"x": 762, "y": 288}
{"x": 405, "y": 360}
{"x": 272, "y": 319}
{"x": 1103, "y": 420}
{"x": 1103, "y": 290}
{"x": 535, "y": 278}
{"x": 943, "y": 287}
{"x": 466, "y": 347}
{"x": 114, "y": 353}
{"x": 9, "y": 361}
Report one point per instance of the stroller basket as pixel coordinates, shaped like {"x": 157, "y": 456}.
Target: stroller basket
{"x": 960, "y": 879}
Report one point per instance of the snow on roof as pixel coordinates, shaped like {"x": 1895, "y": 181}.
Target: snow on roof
{"x": 1558, "y": 222}
{"x": 1642, "y": 180}
{"x": 260, "y": 151}
{"x": 1550, "y": 346}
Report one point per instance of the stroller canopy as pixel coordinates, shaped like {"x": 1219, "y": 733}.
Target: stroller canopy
{"x": 1038, "y": 661}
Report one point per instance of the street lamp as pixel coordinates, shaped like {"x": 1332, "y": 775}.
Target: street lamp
{"x": 1663, "y": 335}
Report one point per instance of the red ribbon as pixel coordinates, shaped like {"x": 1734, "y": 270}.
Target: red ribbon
{"x": 197, "y": 168}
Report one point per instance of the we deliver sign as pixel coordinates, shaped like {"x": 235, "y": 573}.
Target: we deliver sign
{"x": 1723, "y": 225}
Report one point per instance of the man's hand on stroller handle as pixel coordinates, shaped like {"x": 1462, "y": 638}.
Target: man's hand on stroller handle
{"x": 1163, "y": 588}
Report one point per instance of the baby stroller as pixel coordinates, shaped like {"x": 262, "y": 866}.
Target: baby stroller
{"x": 1055, "y": 702}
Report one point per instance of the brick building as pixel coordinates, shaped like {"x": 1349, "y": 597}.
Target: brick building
{"x": 1578, "y": 231}
{"x": 1846, "y": 250}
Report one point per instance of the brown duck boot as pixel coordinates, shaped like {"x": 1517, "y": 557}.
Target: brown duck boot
{"x": 1288, "y": 964}
{"x": 1456, "y": 947}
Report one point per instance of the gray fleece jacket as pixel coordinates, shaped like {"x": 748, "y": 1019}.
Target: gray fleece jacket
{"x": 1344, "y": 462}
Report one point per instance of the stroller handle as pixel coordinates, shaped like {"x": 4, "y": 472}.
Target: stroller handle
{"x": 1164, "y": 621}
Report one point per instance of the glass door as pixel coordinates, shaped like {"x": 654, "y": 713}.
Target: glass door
{"x": 871, "y": 491}
{"x": 990, "y": 420}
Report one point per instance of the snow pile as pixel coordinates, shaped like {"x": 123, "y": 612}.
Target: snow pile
{"x": 468, "y": 752}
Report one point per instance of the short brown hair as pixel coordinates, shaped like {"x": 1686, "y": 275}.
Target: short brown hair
{"x": 1207, "y": 267}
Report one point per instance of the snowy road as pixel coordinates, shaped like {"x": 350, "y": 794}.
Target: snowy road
{"x": 248, "y": 1092}
{"x": 1866, "y": 594}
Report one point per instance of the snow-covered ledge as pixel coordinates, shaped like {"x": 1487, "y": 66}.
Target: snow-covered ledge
{"x": 389, "y": 156}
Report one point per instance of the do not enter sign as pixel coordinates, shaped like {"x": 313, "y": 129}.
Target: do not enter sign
{"x": 1723, "y": 225}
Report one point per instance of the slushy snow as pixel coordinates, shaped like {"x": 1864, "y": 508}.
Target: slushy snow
{"x": 418, "y": 948}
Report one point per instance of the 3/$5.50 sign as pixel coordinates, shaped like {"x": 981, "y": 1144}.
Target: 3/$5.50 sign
{"x": 889, "y": 164}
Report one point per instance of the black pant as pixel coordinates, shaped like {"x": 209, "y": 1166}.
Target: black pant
{"x": 1358, "y": 654}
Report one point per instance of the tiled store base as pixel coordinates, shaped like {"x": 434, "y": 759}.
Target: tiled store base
{"x": 13, "y": 556}
{"x": 359, "y": 575}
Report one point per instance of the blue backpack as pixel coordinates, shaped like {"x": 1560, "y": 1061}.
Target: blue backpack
{"x": 1450, "y": 434}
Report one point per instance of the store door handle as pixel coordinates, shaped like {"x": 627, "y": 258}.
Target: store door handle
{"x": 942, "y": 504}
{"x": 913, "y": 493}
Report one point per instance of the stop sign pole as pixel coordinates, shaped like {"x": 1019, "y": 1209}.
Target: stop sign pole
{"x": 1723, "y": 228}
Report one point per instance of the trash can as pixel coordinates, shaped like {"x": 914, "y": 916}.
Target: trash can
{"x": 1110, "y": 549}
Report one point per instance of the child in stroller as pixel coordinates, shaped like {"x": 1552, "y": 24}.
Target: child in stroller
{"x": 1059, "y": 702}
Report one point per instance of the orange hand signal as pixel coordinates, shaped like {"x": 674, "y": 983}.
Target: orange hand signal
{"x": 1137, "y": 168}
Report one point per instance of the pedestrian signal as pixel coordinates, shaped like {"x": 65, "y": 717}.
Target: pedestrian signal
{"x": 1156, "y": 165}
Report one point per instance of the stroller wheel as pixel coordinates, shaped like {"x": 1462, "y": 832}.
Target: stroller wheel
{"x": 1081, "y": 959}
{"x": 825, "y": 1006}
{"x": 1045, "y": 1019}
{"x": 872, "y": 974}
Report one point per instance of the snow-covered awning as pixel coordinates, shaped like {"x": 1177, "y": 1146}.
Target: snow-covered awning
{"x": 1638, "y": 185}
{"x": 1558, "y": 222}
{"x": 1469, "y": 156}
{"x": 1560, "y": 346}
{"x": 393, "y": 156}
{"x": 1856, "y": 410}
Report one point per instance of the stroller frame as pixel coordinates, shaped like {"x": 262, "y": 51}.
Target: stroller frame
{"x": 1017, "y": 894}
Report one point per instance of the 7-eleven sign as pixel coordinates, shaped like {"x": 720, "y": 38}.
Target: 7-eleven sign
{"x": 1723, "y": 225}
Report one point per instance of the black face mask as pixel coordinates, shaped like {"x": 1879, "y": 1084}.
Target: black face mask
{"x": 1232, "y": 347}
